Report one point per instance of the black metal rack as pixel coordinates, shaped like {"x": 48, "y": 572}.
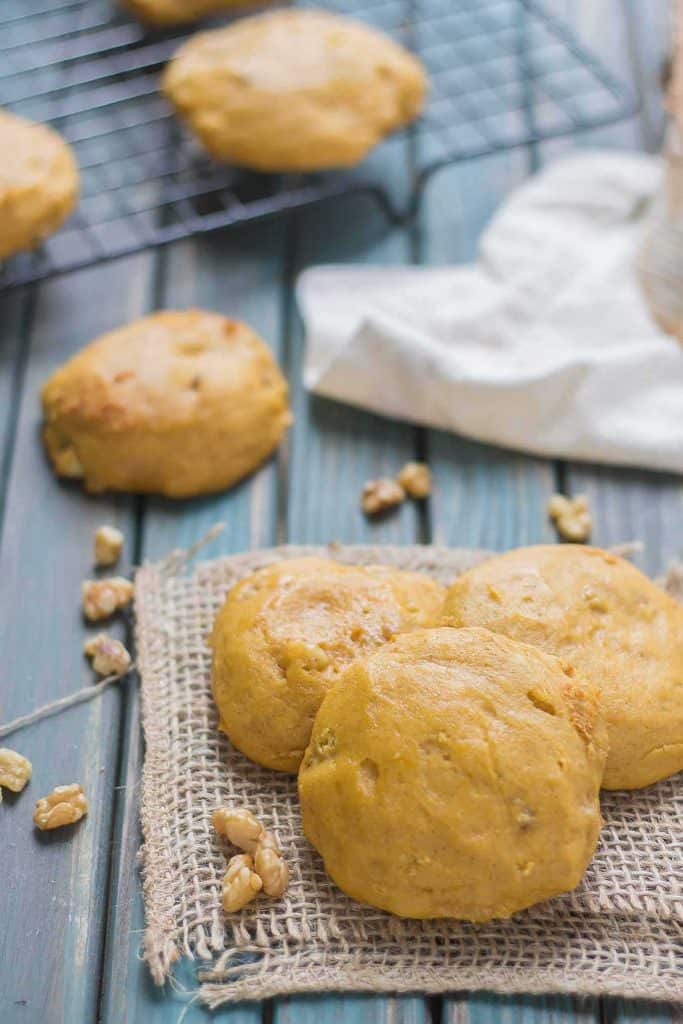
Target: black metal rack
{"x": 504, "y": 73}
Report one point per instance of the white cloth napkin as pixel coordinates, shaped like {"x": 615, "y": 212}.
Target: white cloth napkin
{"x": 544, "y": 345}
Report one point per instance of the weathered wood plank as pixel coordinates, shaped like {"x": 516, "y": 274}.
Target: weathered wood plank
{"x": 483, "y": 1009}
{"x": 15, "y": 313}
{"x": 334, "y": 448}
{"x": 353, "y": 1009}
{"x": 629, "y": 1011}
{"x": 484, "y": 497}
{"x": 52, "y": 898}
{"x": 240, "y": 276}
{"x": 631, "y": 504}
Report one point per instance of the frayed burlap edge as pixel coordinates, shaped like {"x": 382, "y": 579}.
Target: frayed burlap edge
{"x": 254, "y": 965}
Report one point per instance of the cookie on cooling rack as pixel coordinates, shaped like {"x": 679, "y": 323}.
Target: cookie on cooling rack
{"x": 616, "y": 627}
{"x": 294, "y": 90}
{"x": 173, "y": 12}
{"x": 455, "y": 773}
{"x": 176, "y": 403}
{"x": 286, "y": 632}
{"x": 38, "y": 183}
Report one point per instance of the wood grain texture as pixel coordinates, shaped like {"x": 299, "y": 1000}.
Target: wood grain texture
{"x": 54, "y": 901}
{"x": 15, "y": 317}
{"x": 62, "y": 897}
{"x": 334, "y": 450}
{"x": 240, "y": 276}
{"x": 352, "y": 1009}
{"x": 631, "y": 504}
{"x": 485, "y": 497}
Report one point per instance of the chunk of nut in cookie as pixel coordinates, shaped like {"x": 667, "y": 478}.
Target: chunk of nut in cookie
{"x": 68, "y": 464}
{"x": 572, "y": 516}
{"x": 15, "y": 770}
{"x": 65, "y": 805}
{"x": 109, "y": 656}
{"x": 102, "y": 598}
{"x": 108, "y": 545}
{"x": 241, "y": 884}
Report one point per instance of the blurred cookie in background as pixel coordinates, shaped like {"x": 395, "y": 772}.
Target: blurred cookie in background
{"x": 294, "y": 90}
{"x": 38, "y": 183}
{"x": 173, "y": 12}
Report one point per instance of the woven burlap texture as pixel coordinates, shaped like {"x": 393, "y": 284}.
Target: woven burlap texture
{"x": 620, "y": 932}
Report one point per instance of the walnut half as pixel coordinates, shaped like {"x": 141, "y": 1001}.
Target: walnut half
{"x": 416, "y": 479}
{"x": 381, "y": 495}
{"x": 240, "y": 884}
{"x": 271, "y": 866}
{"x": 239, "y": 826}
{"x": 572, "y": 516}
{"x": 108, "y": 545}
{"x": 101, "y": 598}
{"x": 109, "y": 656}
{"x": 65, "y": 805}
{"x": 15, "y": 770}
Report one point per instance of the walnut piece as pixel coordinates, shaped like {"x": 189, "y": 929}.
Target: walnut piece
{"x": 571, "y": 516}
{"x": 240, "y": 884}
{"x": 101, "y": 598}
{"x": 109, "y": 656}
{"x": 416, "y": 479}
{"x": 380, "y": 495}
{"x": 270, "y": 866}
{"x": 63, "y": 806}
{"x": 244, "y": 830}
{"x": 108, "y": 545}
{"x": 15, "y": 770}
{"x": 239, "y": 826}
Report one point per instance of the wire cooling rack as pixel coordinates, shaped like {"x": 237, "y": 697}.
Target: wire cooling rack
{"x": 504, "y": 73}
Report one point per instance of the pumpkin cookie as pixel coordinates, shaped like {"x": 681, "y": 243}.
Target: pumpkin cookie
{"x": 618, "y": 629}
{"x": 286, "y": 632}
{"x": 176, "y": 403}
{"x": 294, "y": 90}
{"x": 455, "y": 773}
{"x": 38, "y": 183}
{"x": 173, "y": 12}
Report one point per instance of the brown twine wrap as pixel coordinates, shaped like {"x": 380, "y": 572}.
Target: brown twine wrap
{"x": 619, "y": 933}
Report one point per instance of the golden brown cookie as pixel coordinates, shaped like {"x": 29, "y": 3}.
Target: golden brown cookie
{"x": 455, "y": 773}
{"x": 173, "y": 12}
{"x": 294, "y": 90}
{"x": 286, "y": 632}
{"x": 619, "y": 630}
{"x": 176, "y": 403}
{"x": 38, "y": 183}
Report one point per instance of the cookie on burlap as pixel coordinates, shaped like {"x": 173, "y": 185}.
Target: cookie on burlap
{"x": 286, "y": 632}
{"x": 618, "y": 629}
{"x": 294, "y": 90}
{"x": 176, "y": 403}
{"x": 455, "y": 773}
{"x": 38, "y": 183}
{"x": 173, "y": 12}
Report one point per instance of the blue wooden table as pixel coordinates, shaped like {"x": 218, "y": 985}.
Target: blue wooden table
{"x": 70, "y": 905}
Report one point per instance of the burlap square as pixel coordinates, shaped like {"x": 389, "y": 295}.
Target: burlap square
{"x": 619, "y": 933}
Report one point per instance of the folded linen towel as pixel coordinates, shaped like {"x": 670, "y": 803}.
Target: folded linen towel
{"x": 544, "y": 345}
